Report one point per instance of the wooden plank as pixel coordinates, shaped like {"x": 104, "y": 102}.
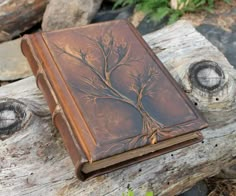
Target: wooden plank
{"x": 33, "y": 160}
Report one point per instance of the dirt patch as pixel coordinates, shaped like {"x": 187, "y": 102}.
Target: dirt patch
{"x": 224, "y": 16}
{"x": 221, "y": 187}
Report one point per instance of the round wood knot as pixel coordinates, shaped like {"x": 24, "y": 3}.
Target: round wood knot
{"x": 210, "y": 85}
{"x": 13, "y": 117}
{"x": 207, "y": 76}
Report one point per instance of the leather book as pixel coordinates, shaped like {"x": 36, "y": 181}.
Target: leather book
{"x": 112, "y": 100}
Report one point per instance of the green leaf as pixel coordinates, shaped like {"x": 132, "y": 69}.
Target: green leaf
{"x": 227, "y": 1}
{"x": 123, "y": 3}
{"x": 208, "y": 9}
{"x": 130, "y": 193}
{"x": 149, "y": 193}
{"x": 161, "y": 13}
{"x": 158, "y": 9}
{"x": 210, "y": 3}
{"x": 148, "y": 6}
{"x": 117, "y": 4}
{"x": 200, "y": 3}
{"x": 174, "y": 17}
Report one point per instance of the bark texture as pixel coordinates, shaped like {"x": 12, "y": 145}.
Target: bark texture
{"x": 17, "y": 16}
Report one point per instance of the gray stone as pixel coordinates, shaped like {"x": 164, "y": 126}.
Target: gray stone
{"x": 223, "y": 40}
{"x": 200, "y": 189}
{"x": 13, "y": 64}
{"x": 233, "y": 28}
{"x": 61, "y": 14}
{"x": 126, "y": 13}
{"x": 110, "y": 14}
{"x": 147, "y": 25}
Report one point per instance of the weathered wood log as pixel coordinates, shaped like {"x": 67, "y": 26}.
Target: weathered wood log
{"x": 33, "y": 160}
{"x": 17, "y": 16}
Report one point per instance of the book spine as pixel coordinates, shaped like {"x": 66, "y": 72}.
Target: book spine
{"x": 58, "y": 116}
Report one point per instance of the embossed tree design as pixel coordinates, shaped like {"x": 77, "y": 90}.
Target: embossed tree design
{"x": 101, "y": 87}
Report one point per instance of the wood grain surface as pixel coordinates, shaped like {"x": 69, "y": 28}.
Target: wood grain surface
{"x": 33, "y": 160}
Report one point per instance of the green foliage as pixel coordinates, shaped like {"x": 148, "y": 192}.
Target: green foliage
{"x": 149, "y": 194}
{"x": 158, "y": 9}
{"x": 131, "y": 193}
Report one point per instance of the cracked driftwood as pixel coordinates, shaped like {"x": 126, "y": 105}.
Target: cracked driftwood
{"x": 33, "y": 160}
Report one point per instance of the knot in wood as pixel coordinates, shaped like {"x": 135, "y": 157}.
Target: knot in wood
{"x": 13, "y": 116}
{"x": 207, "y": 76}
{"x": 212, "y": 86}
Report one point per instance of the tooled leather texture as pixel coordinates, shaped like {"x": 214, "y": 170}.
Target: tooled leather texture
{"x": 114, "y": 92}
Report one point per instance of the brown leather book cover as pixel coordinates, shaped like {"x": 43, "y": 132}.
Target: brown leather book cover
{"x": 111, "y": 98}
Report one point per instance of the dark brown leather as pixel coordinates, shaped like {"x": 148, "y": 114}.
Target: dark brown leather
{"x": 107, "y": 91}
